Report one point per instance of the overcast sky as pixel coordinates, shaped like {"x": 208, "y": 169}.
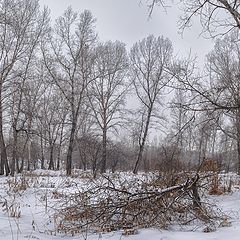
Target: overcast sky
{"x": 127, "y": 21}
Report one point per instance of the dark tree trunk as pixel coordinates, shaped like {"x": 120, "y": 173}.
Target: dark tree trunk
{"x": 58, "y": 158}
{"x": 139, "y": 159}
{"x": 238, "y": 156}
{"x": 104, "y": 151}
{"x": 14, "y": 150}
{"x": 4, "y": 161}
{"x": 51, "y": 163}
{"x": 60, "y": 147}
{"x": 196, "y": 197}
{"x": 142, "y": 142}
{"x": 22, "y": 165}
{"x": 42, "y": 153}
{"x": 84, "y": 163}
{"x": 94, "y": 168}
{"x": 70, "y": 148}
{"x": 238, "y": 141}
{"x": 29, "y": 156}
{"x": 23, "y": 155}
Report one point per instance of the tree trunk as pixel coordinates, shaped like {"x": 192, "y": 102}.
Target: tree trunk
{"x": 84, "y": 163}
{"x": 42, "y": 154}
{"x": 23, "y": 155}
{"x": 104, "y": 151}
{"x": 4, "y": 161}
{"x": 238, "y": 141}
{"x": 94, "y": 167}
{"x": 70, "y": 149}
{"x": 58, "y": 159}
{"x": 60, "y": 147}
{"x": 22, "y": 165}
{"x": 196, "y": 197}
{"x": 142, "y": 142}
{"x": 139, "y": 159}
{"x": 14, "y": 150}
{"x": 29, "y": 155}
{"x": 51, "y": 163}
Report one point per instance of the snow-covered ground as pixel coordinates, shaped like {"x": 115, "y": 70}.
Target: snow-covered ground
{"x": 28, "y": 204}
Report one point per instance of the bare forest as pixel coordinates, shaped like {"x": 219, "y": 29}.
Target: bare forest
{"x": 72, "y": 103}
{"x": 64, "y": 98}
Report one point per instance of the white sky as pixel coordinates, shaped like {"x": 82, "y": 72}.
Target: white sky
{"x": 127, "y": 21}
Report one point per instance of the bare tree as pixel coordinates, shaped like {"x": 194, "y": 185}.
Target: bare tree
{"x": 69, "y": 61}
{"x": 89, "y": 152}
{"x": 21, "y": 27}
{"x": 217, "y": 17}
{"x": 179, "y": 136}
{"x": 24, "y": 76}
{"x": 51, "y": 118}
{"x": 217, "y": 93}
{"x": 223, "y": 66}
{"x": 150, "y": 61}
{"x": 107, "y": 93}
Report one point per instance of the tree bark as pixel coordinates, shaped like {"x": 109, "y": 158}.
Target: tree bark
{"x": 29, "y": 155}
{"x": 238, "y": 140}
{"x": 4, "y": 161}
{"x": 142, "y": 142}
{"x": 51, "y": 163}
{"x": 60, "y": 147}
{"x": 70, "y": 148}
{"x": 104, "y": 151}
{"x": 196, "y": 197}
{"x": 42, "y": 154}
{"x": 14, "y": 150}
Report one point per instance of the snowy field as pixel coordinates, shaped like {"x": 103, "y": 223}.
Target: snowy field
{"x": 28, "y": 205}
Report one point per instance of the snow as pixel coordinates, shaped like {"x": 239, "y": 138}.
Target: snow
{"x": 28, "y": 212}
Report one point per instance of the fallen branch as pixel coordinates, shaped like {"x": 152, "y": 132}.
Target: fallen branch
{"x": 110, "y": 206}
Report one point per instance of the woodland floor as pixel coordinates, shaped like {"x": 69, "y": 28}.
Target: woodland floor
{"x": 29, "y": 204}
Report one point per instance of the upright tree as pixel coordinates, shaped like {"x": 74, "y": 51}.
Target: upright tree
{"x": 224, "y": 73}
{"x": 150, "y": 64}
{"x": 108, "y": 91}
{"x": 68, "y": 58}
{"x": 21, "y": 27}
